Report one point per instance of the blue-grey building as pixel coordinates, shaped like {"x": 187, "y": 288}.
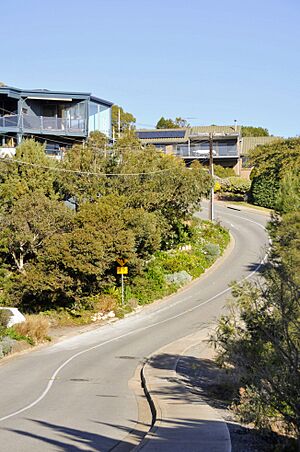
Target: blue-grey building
{"x": 58, "y": 118}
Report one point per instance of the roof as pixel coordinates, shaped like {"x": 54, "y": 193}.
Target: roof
{"x": 163, "y": 136}
{"x": 249, "y": 143}
{"x": 45, "y": 93}
{"x": 226, "y": 130}
{"x": 160, "y": 136}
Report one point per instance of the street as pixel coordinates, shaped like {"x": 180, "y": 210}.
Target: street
{"x": 74, "y": 395}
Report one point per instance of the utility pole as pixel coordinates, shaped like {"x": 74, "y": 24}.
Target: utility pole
{"x": 211, "y": 172}
{"x": 119, "y": 122}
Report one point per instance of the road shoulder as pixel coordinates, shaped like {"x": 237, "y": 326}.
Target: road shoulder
{"x": 182, "y": 417}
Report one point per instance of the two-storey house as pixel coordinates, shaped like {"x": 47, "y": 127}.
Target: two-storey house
{"x": 58, "y": 118}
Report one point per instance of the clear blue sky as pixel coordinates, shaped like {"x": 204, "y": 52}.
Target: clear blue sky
{"x": 213, "y": 61}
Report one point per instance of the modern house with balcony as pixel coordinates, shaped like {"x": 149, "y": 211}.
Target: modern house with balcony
{"x": 57, "y": 118}
{"x": 192, "y": 143}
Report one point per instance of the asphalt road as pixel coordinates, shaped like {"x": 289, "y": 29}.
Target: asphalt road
{"x": 74, "y": 395}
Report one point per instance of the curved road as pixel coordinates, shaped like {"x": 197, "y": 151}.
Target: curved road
{"x": 74, "y": 395}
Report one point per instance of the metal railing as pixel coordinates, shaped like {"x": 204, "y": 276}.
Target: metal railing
{"x": 43, "y": 123}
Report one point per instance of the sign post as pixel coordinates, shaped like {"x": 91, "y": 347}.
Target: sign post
{"x": 122, "y": 270}
{"x": 122, "y": 283}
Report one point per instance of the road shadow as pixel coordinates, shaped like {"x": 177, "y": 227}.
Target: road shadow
{"x": 184, "y": 432}
{"x": 199, "y": 381}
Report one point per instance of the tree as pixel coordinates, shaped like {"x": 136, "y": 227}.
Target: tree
{"x": 178, "y": 123}
{"x": 250, "y": 131}
{"x": 127, "y": 120}
{"x": 271, "y": 163}
{"x": 23, "y": 230}
{"x": 130, "y": 202}
{"x": 98, "y": 141}
{"x": 26, "y": 172}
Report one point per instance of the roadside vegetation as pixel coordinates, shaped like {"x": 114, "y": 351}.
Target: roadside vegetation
{"x": 64, "y": 223}
{"x": 272, "y": 165}
{"x": 258, "y": 340}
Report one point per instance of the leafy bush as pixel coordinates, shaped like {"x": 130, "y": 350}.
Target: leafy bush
{"x": 236, "y": 184}
{"x": 264, "y": 190}
{"x": 35, "y": 327}
{"x": 212, "y": 249}
{"x": 222, "y": 172}
{"x": 6, "y": 345}
{"x": 5, "y": 315}
{"x": 235, "y": 188}
{"x": 179, "y": 278}
{"x": 271, "y": 163}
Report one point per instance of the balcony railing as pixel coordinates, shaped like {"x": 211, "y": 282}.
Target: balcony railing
{"x": 199, "y": 152}
{"x": 43, "y": 123}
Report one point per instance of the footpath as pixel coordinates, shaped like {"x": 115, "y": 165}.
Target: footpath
{"x": 183, "y": 419}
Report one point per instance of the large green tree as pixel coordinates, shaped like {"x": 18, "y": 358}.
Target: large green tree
{"x": 250, "y": 131}
{"x": 127, "y": 120}
{"x": 167, "y": 123}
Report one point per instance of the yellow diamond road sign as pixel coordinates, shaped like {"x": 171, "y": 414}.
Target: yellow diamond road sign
{"x": 122, "y": 262}
{"x": 122, "y": 270}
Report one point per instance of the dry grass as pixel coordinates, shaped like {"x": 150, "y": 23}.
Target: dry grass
{"x": 35, "y": 327}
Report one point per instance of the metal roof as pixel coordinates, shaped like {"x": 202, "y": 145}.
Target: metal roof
{"x": 40, "y": 93}
{"x": 190, "y": 133}
{"x": 249, "y": 143}
{"x": 226, "y": 130}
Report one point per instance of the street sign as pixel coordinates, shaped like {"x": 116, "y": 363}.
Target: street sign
{"x": 122, "y": 262}
{"x": 122, "y": 270}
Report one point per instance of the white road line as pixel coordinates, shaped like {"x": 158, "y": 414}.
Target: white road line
{"x": 64, "y": 364}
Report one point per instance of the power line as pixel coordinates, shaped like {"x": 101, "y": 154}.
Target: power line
{"x": 86, "y": 173}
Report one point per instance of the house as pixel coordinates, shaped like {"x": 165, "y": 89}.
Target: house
{"x": 57, "y": 118}
{"x": 192, "y": 143}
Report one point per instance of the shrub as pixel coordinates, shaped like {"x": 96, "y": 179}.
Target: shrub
{"x": 179, "y": 278}
{"x": 5, "y": 315}
{"x": 264, "y": 190}
{"x": 222, "y": 172}
{"x": 212, "y": 249}
{"x": 235, "y": 188}
{"x": 35, "y": 327}
{"x": 237, "y": 185}
{"x": 6, "y": 345}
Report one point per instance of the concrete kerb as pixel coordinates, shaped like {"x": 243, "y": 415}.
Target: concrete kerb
{"x": 156, "y": 380}
{"x": 145, "y": 416}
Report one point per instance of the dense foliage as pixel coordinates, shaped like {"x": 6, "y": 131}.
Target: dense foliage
{"x": 63, "y": 224}
{"x": 271, "y": 164}
{"x": 250, "y": 131}
{"x": 223, "y": 172}
{"x": 260, "y": 338}
{"x": 127, "y": 120}
{"x": 167, "y": 123}
{"x": 235, "y": 188}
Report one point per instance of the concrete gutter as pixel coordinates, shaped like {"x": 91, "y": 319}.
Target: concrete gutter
{"x": 182, "y": 420}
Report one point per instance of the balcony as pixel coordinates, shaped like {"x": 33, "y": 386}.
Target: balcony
{"x": 43, "y": 124}
{"x": 198, "y": 151}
